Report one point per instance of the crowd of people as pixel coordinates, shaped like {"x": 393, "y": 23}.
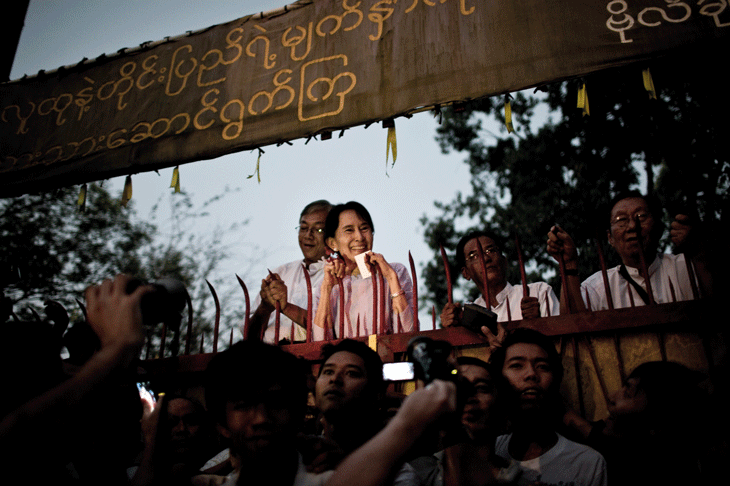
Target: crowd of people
{"x": 260, "y": 415}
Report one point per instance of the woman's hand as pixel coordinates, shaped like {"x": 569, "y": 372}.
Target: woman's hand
{"x": 376, "y": 259}
{"x": 400, "y": 301}
{"x": 334, "y": 269}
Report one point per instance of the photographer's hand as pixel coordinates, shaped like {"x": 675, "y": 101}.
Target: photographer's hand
{"x": 377, "y": 461}
{"x": 115, "y": 316}
{"x": 117, "y": 319}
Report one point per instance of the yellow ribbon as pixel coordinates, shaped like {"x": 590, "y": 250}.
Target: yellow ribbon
{"x": 649, "y": 83}
{"x": 392, "y": 145}
{"x": 373, "y": 342}
{"x": 583, "y": 100}
{"x": 176, "y": 179}
{"x": 81, "y": 203}
{"x": 508, "y": 115}
{"x": 127, "y": 191}
{"x": 256, "y": 172}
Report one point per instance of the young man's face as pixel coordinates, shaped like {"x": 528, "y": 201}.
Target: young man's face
{"x": 476, "y": 416}
{"x": 342, "y": 383}
{"x": 623, "y": 232}
{"x": 185, "y": 425}
{"x": 262, "y": 424}
{"x": 311, "y": 235}
{"x": 494, "y": 261}
{"x": 527, "y": 369}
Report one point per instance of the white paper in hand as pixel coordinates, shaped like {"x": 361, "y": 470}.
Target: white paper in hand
{"x": 361, "y": 265}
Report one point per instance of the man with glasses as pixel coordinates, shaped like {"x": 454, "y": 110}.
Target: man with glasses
{"x": 507, "y": 301}
{"x": 668, "y": 274}
{"x": 287, "y": 284}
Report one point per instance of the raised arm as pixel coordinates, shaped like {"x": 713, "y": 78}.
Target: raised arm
{"x": 378, "y": 460}
{"x": 116, "y": 318}
{"x": 560, "y": 245}
{"x": 686, "y": 240}
{"x": 333, "y": 270}
{"x": 401, "y": 287}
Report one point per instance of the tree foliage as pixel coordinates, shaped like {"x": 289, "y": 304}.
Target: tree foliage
{"x": 51, "y": 250}
{"x": 567, "y": 168}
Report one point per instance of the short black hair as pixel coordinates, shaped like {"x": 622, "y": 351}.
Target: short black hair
{"x": 655, "y": 208}
{"x": 472, "y": 361}
{"x": 529, "y": 336}
{"x": 333, "y": 217}
{"x": 461, "y": 258}
{"x": 372, "y": 360}
{"x": 318, "y": 205}
{"x": 250, "y": 367}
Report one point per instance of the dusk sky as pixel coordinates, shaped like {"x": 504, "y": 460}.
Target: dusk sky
{"x": 62, "y": 32}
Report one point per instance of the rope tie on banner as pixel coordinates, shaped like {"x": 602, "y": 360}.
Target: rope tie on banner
{"x": 257, "y": 172}
{"x": 127, "y": 191}
{"x": 649, "y": 84}
{"x": 583, "y": 100}
{"x": 175, "y": 183}
{"x": 508, "y": 113}
{"x": 81, "y": 203}
{"x": 392, "y": 144}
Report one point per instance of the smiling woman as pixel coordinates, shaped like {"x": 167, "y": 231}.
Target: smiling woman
{"x": 349, "y": 232}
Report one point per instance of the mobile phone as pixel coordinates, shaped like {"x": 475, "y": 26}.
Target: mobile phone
{"x": 401, "y": 371}
{"x": 144, "y": 392}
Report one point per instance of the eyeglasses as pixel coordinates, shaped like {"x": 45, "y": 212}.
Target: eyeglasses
{"x": 303, "y": 230}
{"x": 622, "y": 220}
{"x": 491, "y": 250}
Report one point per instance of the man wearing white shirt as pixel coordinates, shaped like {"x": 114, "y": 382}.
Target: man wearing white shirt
{"x": 287, "y": 284}
{"x": 530, "y": 370}
{"x": 631, "y": 215}
{"x": 507, "y": 301}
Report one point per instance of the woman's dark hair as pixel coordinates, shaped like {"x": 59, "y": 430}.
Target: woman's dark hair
{"x": 333, "y": 217}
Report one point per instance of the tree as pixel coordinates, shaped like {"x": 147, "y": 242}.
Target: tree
{"x": 565, "y": 169}
{"x": 50, "y": 249}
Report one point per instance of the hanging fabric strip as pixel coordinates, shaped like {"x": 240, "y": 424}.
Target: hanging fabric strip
{"x": 176, "y": 179}
{"x": 508, "y": 114}
{"x": 392, "y": 144}
{"x": 257, "y": 172}
{"x": 127, "y": 191}
{"x": 583, "y": 100}
{"x": 81, "y": 203}
{"x": 649, "y": 84}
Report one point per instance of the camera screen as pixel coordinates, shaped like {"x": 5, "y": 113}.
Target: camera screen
{"x": 402, "y": 371}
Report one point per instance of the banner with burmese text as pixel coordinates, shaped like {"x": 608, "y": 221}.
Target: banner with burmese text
{"x": 312, "y": 67}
